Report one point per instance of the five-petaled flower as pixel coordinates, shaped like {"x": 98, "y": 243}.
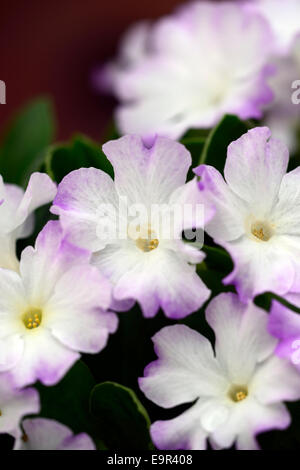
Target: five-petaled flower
{"x": 257, "y": 214}
{"x": 239, "y": 390}
{"x": 148, "y": 263}
{"x": 54, "y": 308}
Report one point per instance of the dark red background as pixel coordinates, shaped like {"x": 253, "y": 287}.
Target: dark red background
{"x": 50, "y": 47}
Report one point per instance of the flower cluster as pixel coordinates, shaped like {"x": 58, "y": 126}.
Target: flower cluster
{"x": 138, "y": 238}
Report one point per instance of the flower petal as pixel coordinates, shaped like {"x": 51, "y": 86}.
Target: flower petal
{"x": 147, "y": 175}
{"x": 185, "y": 369}
{"x": 160, "y": 278}
{"x": 183, "y": 432}
{"x": 84, "y": 198}
{"x": 44, "y": 359}
{"x": 255, "y": 166}
{"x": 242, "y": 339}
{"x": 227, "y": 224}
{"x": 47, "y": 434}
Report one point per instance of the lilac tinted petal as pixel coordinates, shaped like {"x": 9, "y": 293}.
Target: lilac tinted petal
{"x": 247, "y": 420}
{"x": 283, "y": 322}
{"x": 242, "y": 339}
{"x": 260, "y": 267}
{"x": 147, "y": 175}
{"x": 51, "y": 250}
{"x": 230, "y": 210}
{"x": 196, "y": 210}
{"x": 183, "y": 432}
{"x": 185, "y": 369}
{"x": 80, "y": 442}
{"x": 44, "y": 359}
{"x": 47, "y": 434}
{"x": 255, "y": 166}
{"x": 83, "y": 197}
{"x": 160, "y": 278}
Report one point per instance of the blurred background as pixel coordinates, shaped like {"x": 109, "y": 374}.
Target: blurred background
{"x": 52, "y": 47}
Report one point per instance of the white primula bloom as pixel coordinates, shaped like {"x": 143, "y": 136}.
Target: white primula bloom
{"x": 257, "y": 214}
{"x": 51, "y": 310}
{"x": 138, "y": 245}
{"x": 16, "y": 207}
{"x": 239, "y": 389}
{"x": 190, "y": 68}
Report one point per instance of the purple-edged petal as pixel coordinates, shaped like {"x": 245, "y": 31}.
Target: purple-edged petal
{"x": 185, "y": 369}
{"x": 47, "y": 434}
{"x": 247, "y": 420}
{"x": 254, "y": 168}
{"x": 84, "y": 198}
{"x": 147, "y": 175}
{"x": 160, "y": 278}
{"x": 230, "y": 210}
{"x": 181, "y": 433}
{"x": 41, "y": 267}
{"x": 44, "y": 358}
{"x": 284, "y": 324}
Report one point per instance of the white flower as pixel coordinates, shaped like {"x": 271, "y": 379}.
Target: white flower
{"x": 192, "y": 68}
{"x": 257, "y": 214}
{"x": 52, "y": 310}
{"x": 239, "y": 389}
{"x": 147, "y": 263}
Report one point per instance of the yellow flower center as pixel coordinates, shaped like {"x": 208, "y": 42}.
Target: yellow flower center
{"x": 32, "y": 318}
{"x": 148, "y": 241}
{"x": 238, "y": 393}
{"x": 262, "y": 231}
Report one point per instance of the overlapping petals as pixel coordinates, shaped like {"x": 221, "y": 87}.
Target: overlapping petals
{"x": 239, "y": 390}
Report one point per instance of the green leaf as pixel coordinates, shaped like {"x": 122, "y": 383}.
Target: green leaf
{"x": 81, "y": 152}
{"x": 68, "y": 401}
{"x": 214, "y": 153}
{"x": 123, "y": 422}
{"x": 23, "y": 145}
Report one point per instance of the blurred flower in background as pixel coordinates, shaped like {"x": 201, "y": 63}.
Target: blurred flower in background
{"x": 191, "y": 68}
